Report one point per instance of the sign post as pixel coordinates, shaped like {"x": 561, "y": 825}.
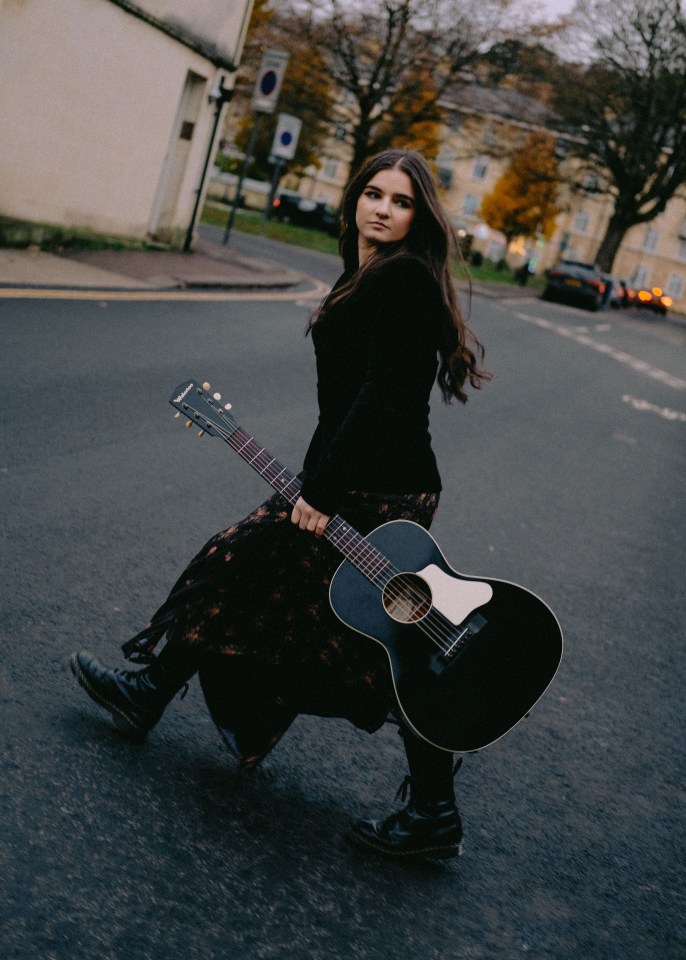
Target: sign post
{"x": 284, "y": 145}
{"x": 264, "y": 99}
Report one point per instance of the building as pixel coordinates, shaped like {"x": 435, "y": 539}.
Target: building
{"x": 106, "y": 115}
{"x": 483, "y": 126}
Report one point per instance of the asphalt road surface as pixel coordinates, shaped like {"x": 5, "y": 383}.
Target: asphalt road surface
{"x": 565, "y": 474}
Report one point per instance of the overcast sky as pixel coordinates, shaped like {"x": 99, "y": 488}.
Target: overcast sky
{"x": 551, "y": 8}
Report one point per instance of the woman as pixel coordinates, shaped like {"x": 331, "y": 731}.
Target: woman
{"x": 250, "y": 613}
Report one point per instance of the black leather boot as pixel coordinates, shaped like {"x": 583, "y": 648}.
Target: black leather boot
{"x": 429, "y": 827}
{"x": 135, "y": 699}
{"x": 432, "y": 830}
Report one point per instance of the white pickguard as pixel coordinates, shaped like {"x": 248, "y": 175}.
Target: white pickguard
{"x": 455, "y": 599}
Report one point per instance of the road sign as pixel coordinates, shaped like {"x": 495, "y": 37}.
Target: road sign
{"x": 286, "y": 136}
{"x": 269, "y": 80}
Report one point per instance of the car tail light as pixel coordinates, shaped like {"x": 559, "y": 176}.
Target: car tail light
{"x": 597, "y": 285}
{"x": 277, "y": 203}
{"x": 645, "y": 296}
{"x": 666, "y": 301}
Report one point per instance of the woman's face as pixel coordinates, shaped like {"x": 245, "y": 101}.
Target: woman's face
{"x": 385, "y": 210}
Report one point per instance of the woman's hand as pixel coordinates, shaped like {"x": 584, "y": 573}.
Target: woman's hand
{"x": 308, "y": 518}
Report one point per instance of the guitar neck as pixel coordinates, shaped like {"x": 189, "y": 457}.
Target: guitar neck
{"x": 277, "y": 476}
{"x": 354, "y": 547}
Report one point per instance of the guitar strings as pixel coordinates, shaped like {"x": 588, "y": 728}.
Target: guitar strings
{"x": 434, "y": 624}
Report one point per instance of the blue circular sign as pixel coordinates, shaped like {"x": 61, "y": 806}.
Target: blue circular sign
{"x": 268, "y": 83}
{"x": 286, "y": 138}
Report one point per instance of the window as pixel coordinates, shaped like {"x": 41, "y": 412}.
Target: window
{"x": 675, "y": 286}
{"x": 640, "y": 277}
{"x": 681, "y": 250}
{"x": 480, "y": 168}
{"x": 330, "y": 170}
{"x": 445, "y": 177}
{"x": 470, "y": 204}
{"x": 591, "y": 183}
{"x": 581, "y": 221}
{"x": 651, "y": 239}
{"x": 445, "y": 161}
{"x": 490, "y": 138}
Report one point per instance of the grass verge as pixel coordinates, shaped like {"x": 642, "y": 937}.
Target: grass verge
{"x": 52, "y": 238}
{"x": 251, "y": 221}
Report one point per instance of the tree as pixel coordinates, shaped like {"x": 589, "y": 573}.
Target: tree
{"x": 629, "y": 108}
{"x": 527, "y": 66}
{"x": 523, "y": 202}
{"x": 306, "y": 92}
{"x": 394, "y": 59}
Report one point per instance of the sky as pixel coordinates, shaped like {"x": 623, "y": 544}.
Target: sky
{"x": 550, "y": 9}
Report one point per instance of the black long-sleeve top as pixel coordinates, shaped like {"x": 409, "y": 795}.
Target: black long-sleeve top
{"x": 376, "y": 356}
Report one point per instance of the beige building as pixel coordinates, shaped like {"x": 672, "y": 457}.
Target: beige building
{"x": 106, "y": 116}
{"x": 483, "y": 126}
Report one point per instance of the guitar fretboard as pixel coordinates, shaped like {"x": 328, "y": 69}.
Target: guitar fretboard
{"x": 354, "y": 547}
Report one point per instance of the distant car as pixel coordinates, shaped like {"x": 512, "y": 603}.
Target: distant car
{"x": 653, "y": 299}
{"x": 621, "y": 295}
{"x": 292, "y": 208}
{"x": 571, "y": 281}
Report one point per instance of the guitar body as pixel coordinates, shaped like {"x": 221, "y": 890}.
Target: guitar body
{"x": 472, "y": 657}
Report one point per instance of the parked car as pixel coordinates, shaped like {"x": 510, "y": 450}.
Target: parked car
{"x": 573, "y": 282}
{"x": 653, "y": 299}
{"x": 621, "y": 295}
{"x": 292, "y": 208}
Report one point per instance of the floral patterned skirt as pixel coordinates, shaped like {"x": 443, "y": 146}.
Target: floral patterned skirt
{"x": 254, "y": 604}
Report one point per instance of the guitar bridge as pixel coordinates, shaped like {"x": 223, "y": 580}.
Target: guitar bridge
{"x": 458, "y": 643}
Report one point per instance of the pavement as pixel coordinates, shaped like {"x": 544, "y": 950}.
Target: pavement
{"x": 207, "y": 266}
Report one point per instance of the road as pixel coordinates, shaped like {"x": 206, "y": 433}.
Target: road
{"x": 565, "y": 474}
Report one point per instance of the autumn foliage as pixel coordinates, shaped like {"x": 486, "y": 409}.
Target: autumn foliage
{"x": 523, "y": 202}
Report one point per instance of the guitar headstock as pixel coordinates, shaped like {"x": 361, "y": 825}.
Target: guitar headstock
{"x": 204, "y": 409}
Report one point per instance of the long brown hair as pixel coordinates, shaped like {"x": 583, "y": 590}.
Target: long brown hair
{"x": 432, "y": 240}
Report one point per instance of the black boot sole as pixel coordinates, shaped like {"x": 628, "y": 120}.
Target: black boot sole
{"x": 438, "y": 852}
{"x": 125, "y": 726}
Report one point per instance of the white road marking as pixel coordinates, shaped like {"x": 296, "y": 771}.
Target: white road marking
{"x": 619, "y": 355}
{"x": 664, "y": 412}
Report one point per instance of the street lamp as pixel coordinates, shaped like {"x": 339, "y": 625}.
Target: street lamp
{"x": 219, "y": 95}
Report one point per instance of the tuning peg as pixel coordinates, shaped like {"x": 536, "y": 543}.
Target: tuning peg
{"x": 227, "y": 406}
{"x": 216, "y": 396}
{"x": 189, "y": 423}
{"x": 206, "y": 386}
{"x": 201, "y": 433}
{"x": 177, "y": 414}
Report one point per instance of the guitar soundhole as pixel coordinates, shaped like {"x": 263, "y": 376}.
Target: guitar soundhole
{"x": 406, "y": 598}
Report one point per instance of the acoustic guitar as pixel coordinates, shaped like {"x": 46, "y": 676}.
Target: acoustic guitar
{"x": 469, "y": 656}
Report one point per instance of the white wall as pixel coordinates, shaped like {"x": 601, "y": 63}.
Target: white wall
{"x": 89, "y": 96}
{"x": 218, "y": 23}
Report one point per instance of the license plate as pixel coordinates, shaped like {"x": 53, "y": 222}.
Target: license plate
{"x": 573, "y": 283}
